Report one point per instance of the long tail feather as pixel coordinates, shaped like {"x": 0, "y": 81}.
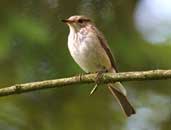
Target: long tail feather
{"x": 121, "y": 98}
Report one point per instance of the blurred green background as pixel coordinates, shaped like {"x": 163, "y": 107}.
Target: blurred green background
{"x": 33, "y": 47}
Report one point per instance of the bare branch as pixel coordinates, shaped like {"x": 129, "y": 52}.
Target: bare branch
{"x": 86, "y": 78}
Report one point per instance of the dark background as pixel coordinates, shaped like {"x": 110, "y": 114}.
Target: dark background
{"x": 33, "y": 47}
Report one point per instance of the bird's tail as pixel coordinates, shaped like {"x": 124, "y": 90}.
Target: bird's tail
{"x": 119, "y": 92}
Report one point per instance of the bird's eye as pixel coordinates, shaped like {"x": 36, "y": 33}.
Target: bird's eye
{"x": 80, "y": 21}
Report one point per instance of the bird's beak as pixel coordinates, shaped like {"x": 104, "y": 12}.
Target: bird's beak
{"x": 67, "y": 21}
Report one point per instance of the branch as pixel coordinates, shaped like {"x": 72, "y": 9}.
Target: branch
{"x": 86, "y": 78}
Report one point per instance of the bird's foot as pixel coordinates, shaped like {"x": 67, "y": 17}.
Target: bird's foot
{"x": 97, "y": 80}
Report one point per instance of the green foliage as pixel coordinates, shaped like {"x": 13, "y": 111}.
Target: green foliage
{"x": 29, "y": 29}
{"x": 33, "y": 46}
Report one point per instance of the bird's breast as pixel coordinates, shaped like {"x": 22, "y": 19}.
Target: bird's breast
{"x": 87, "y": 52}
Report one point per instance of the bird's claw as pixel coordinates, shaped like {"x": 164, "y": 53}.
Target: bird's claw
{"x": 97, "y": 81}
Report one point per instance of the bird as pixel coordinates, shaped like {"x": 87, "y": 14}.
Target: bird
{"x": 90, "y": 50}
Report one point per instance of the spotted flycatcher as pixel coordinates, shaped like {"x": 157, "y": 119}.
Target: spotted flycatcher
{"x": 91, "y": 52}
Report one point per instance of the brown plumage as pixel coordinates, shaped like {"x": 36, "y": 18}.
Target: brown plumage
{"x": 91, "y": 52}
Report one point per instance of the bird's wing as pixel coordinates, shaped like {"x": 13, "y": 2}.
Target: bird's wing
{"x": 105, "y": 46}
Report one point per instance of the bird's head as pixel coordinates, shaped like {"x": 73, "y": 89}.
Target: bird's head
{"x": 77, "y": 22}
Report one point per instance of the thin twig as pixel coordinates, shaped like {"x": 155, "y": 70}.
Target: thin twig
{"x": 86, "y": 78}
